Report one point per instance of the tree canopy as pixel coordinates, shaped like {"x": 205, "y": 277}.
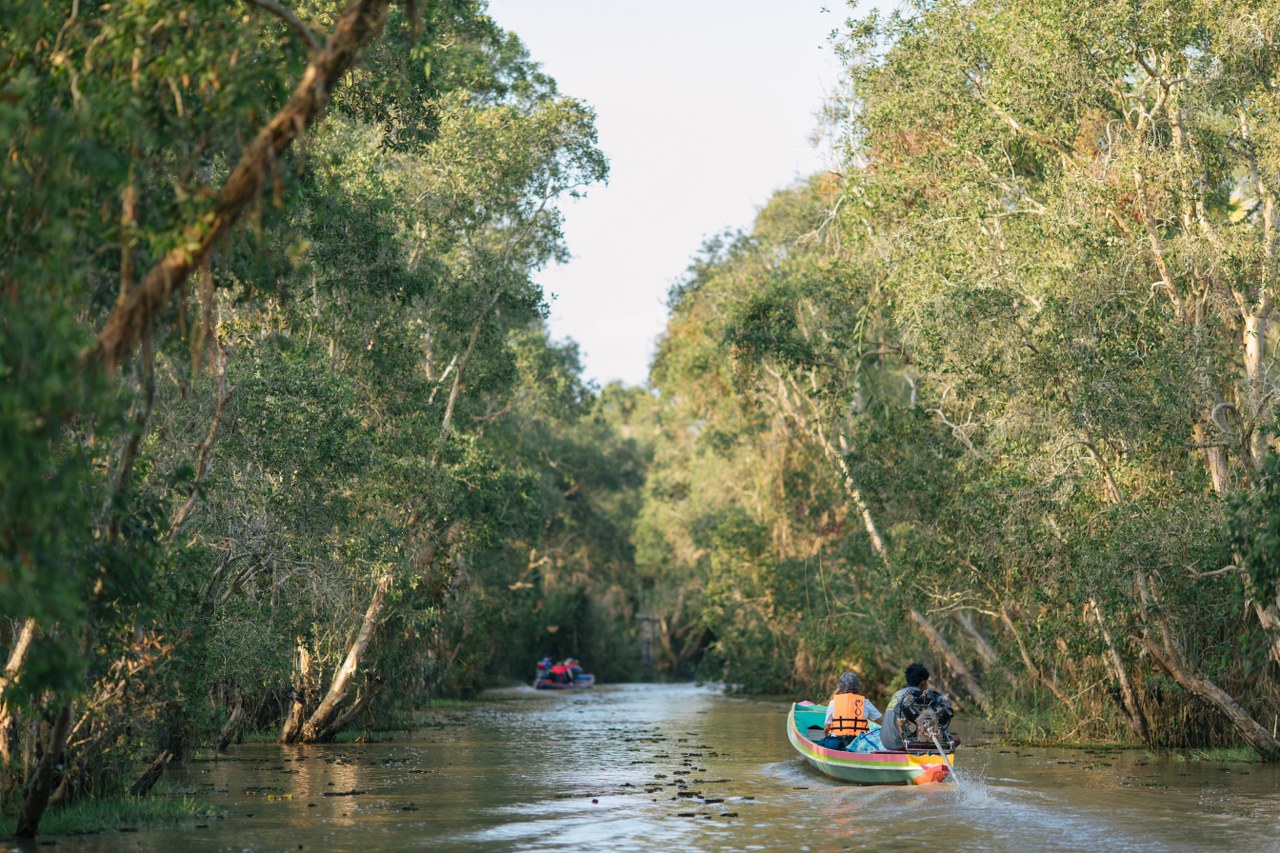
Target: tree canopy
{"x": 285, "y": 442}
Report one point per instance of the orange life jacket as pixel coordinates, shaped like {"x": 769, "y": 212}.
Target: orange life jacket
{"x": 849, "y": 716}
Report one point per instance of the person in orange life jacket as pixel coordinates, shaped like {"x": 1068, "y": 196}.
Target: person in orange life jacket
{"x": 848, "y": 713}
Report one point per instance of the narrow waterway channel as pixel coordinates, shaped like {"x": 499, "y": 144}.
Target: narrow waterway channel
{"x": 678, "y": 767}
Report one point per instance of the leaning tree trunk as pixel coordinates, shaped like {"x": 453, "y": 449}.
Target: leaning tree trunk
{"x": 981, "y": 645}
{"x": 1128, "y": 696}
{"x": 1196, "y": 684}
{"x": 327, "y": 720}
{"x": 136, "y": 311}
{"x": 1168, "y": 654}
{"x": 229, "y": 729}
{"x": 812, "y": 424}
{"x": 934, "y": 637}
{"x": 41, "y": 785}
{"x": 1269, "y": 618}
{"x": 153, "y": 773}
{"x": 321, "y": 725}
{"x": 12, "y": 668}
{"x": 1050, "y": 684}
{"x": 949, "y": 657}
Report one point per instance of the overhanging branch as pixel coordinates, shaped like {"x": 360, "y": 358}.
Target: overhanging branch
{"x": 292, "y": 20}
{"x": 137, "y": 310}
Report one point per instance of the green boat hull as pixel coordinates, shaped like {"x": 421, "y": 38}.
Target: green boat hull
{"x": 804, "y": 726}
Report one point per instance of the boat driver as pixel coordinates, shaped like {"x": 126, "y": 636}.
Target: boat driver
{"x": 917, "y": 676}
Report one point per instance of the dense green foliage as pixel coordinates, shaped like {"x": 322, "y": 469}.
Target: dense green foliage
{"x": 999, "y": 396}
{"x": 991, "y": 397}
{"x": 345, "y": 469}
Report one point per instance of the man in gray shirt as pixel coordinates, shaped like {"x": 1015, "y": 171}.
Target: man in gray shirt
{"x": 917, "y": 676}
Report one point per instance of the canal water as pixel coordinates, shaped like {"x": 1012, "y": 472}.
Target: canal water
{"x": 679, "y": 767}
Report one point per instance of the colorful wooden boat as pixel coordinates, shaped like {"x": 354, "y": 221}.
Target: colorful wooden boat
{"x": 804, "y": 727}
{"x": 582, "y": 681}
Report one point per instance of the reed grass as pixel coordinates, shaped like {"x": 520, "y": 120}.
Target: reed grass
{"x": 89, "y": 816}
{"x": 1227, "y": 754}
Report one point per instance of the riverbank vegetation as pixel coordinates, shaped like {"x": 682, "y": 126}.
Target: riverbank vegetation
{"x": 1000, "y": 394}
{"x": 118, "y": 814}
{"x": 286, "y": 443}
{"x": 285, "y": 440}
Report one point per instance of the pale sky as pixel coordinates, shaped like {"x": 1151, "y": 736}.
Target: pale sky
{"x": 705, "y": 107}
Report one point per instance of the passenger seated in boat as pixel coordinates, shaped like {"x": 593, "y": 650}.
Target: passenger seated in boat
{"x": 575, "y": 668}
{"x": 849, "y": 714}
{"x": 560, "y": 674}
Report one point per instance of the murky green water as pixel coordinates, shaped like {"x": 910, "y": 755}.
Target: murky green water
{"x": 643, "y": 767}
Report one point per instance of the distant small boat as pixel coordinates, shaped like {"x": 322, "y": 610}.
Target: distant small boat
{"x": 581, "y": 682}
{"x": 804, "y": 725}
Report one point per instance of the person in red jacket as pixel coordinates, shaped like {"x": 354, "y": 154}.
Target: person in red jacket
{"x": 560, "y": 674}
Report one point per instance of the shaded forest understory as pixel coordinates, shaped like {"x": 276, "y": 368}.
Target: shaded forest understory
{"x": 284, "y": 442}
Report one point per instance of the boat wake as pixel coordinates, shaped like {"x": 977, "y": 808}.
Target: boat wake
{"x": 797, "y": 774}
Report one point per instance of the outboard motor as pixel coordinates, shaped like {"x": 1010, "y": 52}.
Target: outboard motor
{"x": 921, "y": 716}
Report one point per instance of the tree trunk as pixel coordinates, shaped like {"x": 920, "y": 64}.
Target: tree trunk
{"x": 1133, "y": 711}
{"x": 669, "y": 630}
{"x": 1269, "y": 619}
{"x": 319, "y": 726}
{"x": 981, "y": 645}
{"x": 952, "y": 661}
{"x": 8, "y": 730}
{"x": 303, "y": 696}
{"x": 936, "y": 641}
{"x": 1215, "y": 459}
{"x": 1257, "y": 419}
{"x": 837, "y": 457}
{"x": 149, "y": 779}
{"x": 221, "y": 395}
{"x": 17, "y": 657}
{"x": 1050, "y": 684}
{"x": 357, "y": 707}
{"x": 1196, "y": 684}
{"x": 1169, "y": 655}
{"x": 228, "y": 732}
{"x": 41, "y": 785}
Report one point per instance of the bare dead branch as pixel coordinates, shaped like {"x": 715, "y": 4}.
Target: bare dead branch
{"x": 222, "y": 395}
{"x": 1216, "y": 573}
